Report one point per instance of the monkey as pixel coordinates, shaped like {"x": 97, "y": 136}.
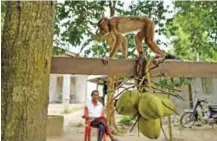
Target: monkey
{"x": 116, "y": 26}
{"x": 110, "y": 41}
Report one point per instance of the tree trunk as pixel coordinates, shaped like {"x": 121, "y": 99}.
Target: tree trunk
{"x": 26, "y": 56}
{"x": 111, "y": 87}
{"x": 170, "y": 130}
{"x": 110, "y": 105}
{"x": 112, "y": 6}
{"x": 191, "y": 104}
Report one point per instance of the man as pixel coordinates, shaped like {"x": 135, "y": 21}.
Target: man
{"x": 94, "y": 112}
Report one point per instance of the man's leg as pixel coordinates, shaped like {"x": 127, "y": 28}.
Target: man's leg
{"x": 101, "y": 128}
{"x": 103, "y": 121}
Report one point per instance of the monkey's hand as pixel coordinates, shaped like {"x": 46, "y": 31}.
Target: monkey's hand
{"x": 105, "y": 60}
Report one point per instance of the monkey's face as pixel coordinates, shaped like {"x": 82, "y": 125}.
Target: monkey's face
{"x": 103, "y": 26}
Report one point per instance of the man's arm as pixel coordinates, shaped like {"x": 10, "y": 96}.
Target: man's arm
{"x": 85, "y": 112}
{"x": 103, "y": 112}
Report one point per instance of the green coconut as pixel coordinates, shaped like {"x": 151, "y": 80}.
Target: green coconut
{"x": 127, "y": 103}
{"x": 169, "y": 107}
{"x": 149, "y": 128}
{"x": 150, "y": 106}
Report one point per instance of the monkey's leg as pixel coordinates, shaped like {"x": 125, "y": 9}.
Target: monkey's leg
{"x": 124, "y": 48}
{"x": 149, "y": 40}
{"x": 138, "y": 42}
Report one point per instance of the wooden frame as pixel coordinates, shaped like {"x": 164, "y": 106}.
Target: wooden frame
{"x": 91, "y": 66}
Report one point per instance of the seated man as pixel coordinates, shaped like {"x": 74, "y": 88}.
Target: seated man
{"x": 94, "y": 112}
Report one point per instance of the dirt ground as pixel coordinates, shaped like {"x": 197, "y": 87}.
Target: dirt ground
{"x": 74, "y": 131}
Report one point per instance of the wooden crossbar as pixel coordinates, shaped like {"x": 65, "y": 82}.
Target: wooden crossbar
{"x": 91, "y": 66}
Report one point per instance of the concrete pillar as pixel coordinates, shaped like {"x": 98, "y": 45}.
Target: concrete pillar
{"x": 66, "y": 89}
{"x": 52, "y": 88}
{"x": 81, "y": 88}
{"x": 214, "y": 99}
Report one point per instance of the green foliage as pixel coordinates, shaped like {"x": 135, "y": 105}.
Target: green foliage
{"x": 57, "y": 51}
{"x": 84, "y": 15}
{"x": 194, "y": 28}
{"x": 76, "y": 21}
{"x": 175, "y": 81}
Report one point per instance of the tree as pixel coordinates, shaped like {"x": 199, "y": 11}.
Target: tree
{"x": 193, "y": 30}
{"x": 111, "y": 87}
{"x": 26, "y": 57}
{"x": 79, "y": 21}
{"x": 76, "y": 23}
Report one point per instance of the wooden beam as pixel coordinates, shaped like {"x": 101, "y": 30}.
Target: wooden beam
{"x": 90, "y": 66}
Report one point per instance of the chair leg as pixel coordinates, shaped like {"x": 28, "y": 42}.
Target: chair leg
{"x": 86, "y": 134}
{"x": 89, "y": 134}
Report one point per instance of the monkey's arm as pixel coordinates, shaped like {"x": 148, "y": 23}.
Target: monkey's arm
{"x": 124, "y": 48}
{"x": 119, "y": 39}
{"x": 115, "y": 43}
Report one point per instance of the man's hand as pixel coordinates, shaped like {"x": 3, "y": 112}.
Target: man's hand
{"x": 85, "y": 117}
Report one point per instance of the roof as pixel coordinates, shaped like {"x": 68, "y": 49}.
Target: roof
{"x": 101, "y": 79}
{"x": 64, "y": 53}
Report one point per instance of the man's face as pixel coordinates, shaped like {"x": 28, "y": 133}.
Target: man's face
{"x": 95, "y": 96}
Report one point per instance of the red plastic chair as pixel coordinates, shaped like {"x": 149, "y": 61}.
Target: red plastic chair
{"x": 87, "y": 131}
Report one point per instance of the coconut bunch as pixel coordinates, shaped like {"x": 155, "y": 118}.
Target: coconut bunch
{"x": 148, "y": 107}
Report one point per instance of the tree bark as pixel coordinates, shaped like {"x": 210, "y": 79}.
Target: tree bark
{"x": 26, "y": 57}
{"x": 112, "y": 6}
{"x": 191, "y": 104}
{"x": 111, "y": 88}
{"x": 110, "y": 105}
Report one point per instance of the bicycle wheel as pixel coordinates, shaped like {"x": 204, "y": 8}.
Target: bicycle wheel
{"x": 187, "y": 120}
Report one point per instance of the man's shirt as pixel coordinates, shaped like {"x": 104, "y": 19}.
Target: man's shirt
{"x": 94, "y": 109}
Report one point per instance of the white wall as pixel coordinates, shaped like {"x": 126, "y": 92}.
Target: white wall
{"x": 198, "y": 90}
{"x": 52, "y": 88}
{"x": 81, "y": 88}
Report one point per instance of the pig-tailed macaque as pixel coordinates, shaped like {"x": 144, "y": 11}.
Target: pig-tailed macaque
{"x": 116, "y": 26}
{"x": 110, "y": 41}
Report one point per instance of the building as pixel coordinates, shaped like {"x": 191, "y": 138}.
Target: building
{"x": 67, "y": 88}
{"x": 201, "y": 88}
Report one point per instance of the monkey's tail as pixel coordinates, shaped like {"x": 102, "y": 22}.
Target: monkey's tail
{"x": 170, "y": 56}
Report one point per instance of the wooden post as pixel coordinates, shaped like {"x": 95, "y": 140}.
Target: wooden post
{"x": 140, "y": 72}
{"x": 191, "y": 104}
{"x": 105, "y": 91}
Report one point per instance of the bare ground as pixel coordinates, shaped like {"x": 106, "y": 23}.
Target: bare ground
{"x": 74, "y": 131}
